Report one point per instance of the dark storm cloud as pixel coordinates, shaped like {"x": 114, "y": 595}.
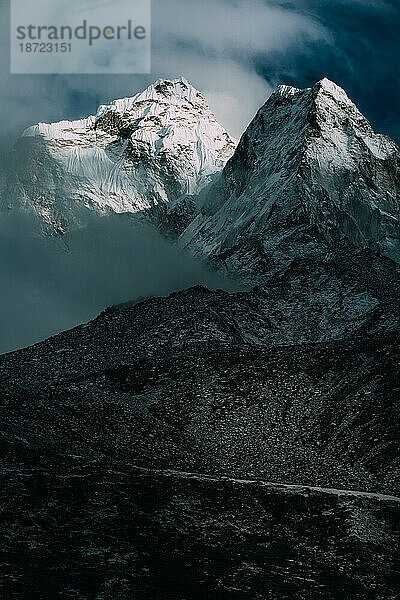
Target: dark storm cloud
{"x": 235, "y": 51}
{"x": 211, "y": 42}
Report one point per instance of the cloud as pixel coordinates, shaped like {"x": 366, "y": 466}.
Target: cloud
{"x": 234, "y": 51}
{"x": 225, "y": 28}
{"x": 46, "y": 289}
{"x": 213, "y": 43}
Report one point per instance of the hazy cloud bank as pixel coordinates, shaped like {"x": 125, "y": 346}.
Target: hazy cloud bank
{"x": 45, "y": 289}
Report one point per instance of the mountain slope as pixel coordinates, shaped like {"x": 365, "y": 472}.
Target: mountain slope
{"x": 134, "y": 154}
{"x": 195, "y": 382}
{"x": 308, "y": 173}
{"x": 107, "y": 531}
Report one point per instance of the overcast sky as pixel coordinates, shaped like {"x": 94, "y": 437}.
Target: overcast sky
{"x": 235, "y": 52}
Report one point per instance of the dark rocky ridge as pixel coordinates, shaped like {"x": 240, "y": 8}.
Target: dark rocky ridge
{"x": 177, "y": 383}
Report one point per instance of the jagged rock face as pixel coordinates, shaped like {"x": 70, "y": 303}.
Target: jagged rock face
{"x": 308, "y": 173}
{"x": 134, "y": 154}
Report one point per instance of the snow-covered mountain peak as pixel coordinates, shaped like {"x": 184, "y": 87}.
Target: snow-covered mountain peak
{"x": 317, "y": 116}
{"x": 309, "y": 160}
{"x": 324, "y": 92}
{"x": 135, "y": 153}
{"x": 173, "y": 115}
{"x": 332, "y": 88}
{"x": 286, "y": 90}
{"x": 165, "y": 91}
{"x": 164, "y": 103}
{"x": 324, "y": 86}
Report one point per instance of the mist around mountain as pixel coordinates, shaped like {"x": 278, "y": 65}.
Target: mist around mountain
{"x": 87, "y": 213}
{"x": 50, "y": 284}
